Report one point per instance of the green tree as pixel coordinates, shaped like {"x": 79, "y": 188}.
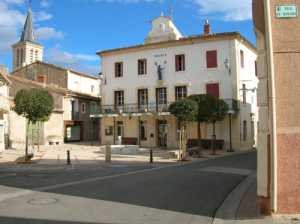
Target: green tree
{"x": 219, "y": 112}
{"x": 185, "y": 111}
{"x": 205, "y": 104}
{"x": 36, "y": 105}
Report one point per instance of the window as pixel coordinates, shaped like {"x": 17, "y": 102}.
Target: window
{"x": 119, "y": 69}
{"x": 143, "y": 130}
{"x": 161, "y": 96}
{"x": 119, "y": 99}
{"x": 22, "y": 57}
{"x": 31, "y": 55}
{"x": 18, "y": 57}
{"x": 92, "y": 88}
{"x": 142, "y": 67}
{"x": 143, "y": 99}
{"x": 179, "y": 62}
{"x": 120, "y": 128}
{"x": 83, "y": 108}
{"x": 213, "y": 89}
{"x": 41, "y": 78}
{"x": 242, "y": 57}
{"x": 36, "y": 55}
{"x": 245, "y": 131}
{"x": 244, "y": 94}
{"x": 180, "y": 92}
{"x": 255, "y": 64}
{"x": 211, "y": 59}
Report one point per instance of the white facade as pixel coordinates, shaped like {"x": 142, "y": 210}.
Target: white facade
{"x": 4, "y": 108}
{"x": 195, "y": 77}
{"x": 83, "y": 84}
{"x": 234, "y": 73}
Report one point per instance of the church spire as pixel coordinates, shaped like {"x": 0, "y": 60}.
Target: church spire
{"x": 27, "y": 33}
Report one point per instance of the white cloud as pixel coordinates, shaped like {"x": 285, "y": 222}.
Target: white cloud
{"x": 12, "y": 21}
{"x": 42, "y": 16}
{"x": 229, "y": 10}
{"x": 78, "y": 62}
{"x": 47, "y": 33}
{"x": 18, "y": 2}
{"x": 44, "y": 3}
{"x": 128, "y": 1}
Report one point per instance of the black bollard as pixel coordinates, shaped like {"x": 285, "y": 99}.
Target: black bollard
{"x": 68, "y": 158}
{"x": 151, "y": 156}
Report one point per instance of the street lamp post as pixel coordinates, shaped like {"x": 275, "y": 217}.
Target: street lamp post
{"x": 230, "y": 112}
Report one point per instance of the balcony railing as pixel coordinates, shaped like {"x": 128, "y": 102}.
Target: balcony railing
{"x": 151, "y": 108}
{"x": 134, "y": 108}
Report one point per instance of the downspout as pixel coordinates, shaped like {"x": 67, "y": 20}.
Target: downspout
{"x": 272, "y": 98}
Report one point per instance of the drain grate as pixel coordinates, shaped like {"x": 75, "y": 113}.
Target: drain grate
{"x": 42, "y": 201}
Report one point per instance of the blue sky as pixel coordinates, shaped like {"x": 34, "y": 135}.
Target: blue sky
{"x": 72, "y": 31}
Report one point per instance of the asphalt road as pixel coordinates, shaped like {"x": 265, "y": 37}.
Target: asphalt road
{"x": 138, "y": 194}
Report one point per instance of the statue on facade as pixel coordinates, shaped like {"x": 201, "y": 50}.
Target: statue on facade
{"x": 160, "y": 69}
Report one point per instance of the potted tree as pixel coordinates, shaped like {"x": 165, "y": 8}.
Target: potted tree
{"x": 36, "y": 105}
{"x": 185, "y": 111}
{"x": 219, "y": 112}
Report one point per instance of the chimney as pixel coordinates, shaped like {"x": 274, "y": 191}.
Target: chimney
{"x": 207, "y": 30}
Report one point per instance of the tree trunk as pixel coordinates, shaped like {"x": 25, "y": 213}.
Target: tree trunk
{"x": 184, "y": 142}
{"x": 26, "y": 140}
{"x": 214, "y": 139}
{"x": 180, "y": 141}
{"x": 199, "y": 137}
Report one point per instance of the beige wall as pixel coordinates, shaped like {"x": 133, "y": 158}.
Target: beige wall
{"x": 54, "y": 127}
{"x": 278, "y": 170}
{"x": 222, "y": 131}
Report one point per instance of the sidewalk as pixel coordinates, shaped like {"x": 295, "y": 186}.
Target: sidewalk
{"x": 241, "y": 207}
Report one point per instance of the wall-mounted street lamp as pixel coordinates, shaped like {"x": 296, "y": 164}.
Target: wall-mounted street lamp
{"x": 227, "y": 65}
{"x": 230, "y": 113}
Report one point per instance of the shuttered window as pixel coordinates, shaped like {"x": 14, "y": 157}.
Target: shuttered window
{"x": 180, "y": 92}
{"x": 242, "y": 58}
{"x": 180, "y": 63}
{"x": 142, "y": 67}
{"x": 211, "y": 59}
{"x": 213, "y": 90}
{"x": 119, "y": 69}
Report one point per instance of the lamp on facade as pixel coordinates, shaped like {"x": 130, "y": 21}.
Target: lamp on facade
{"x": 227, "y": 65}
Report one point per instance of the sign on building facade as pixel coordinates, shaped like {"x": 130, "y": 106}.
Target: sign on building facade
{"x": 286, "y": 11}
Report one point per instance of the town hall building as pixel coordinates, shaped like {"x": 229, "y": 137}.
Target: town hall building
{"x": 140, "y": 82}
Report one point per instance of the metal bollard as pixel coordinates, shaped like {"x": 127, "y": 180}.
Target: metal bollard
{"x": 108, "y": 154}
{"x": 151, "y": 156}
{"x": 68, "y": 158}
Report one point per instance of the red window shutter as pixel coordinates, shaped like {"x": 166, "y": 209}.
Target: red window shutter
{"x": 211, "y": 59}
{"x": 213, "y": 90}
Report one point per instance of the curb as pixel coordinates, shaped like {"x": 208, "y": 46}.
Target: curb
{"x": 226, "y": 213}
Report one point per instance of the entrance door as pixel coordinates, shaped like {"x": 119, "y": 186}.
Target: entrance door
{"x": 162, "y": 133}
{"x": 120, "y": 132}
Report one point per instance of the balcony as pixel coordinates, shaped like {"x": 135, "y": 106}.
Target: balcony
{"x": 134, "y": 109}
{"x": 151, "y": 108}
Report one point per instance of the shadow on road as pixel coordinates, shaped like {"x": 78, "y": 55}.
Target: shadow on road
{"x": 186, "y": 189}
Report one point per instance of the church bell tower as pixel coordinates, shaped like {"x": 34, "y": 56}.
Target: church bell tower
{"x": 27, "y": 50}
